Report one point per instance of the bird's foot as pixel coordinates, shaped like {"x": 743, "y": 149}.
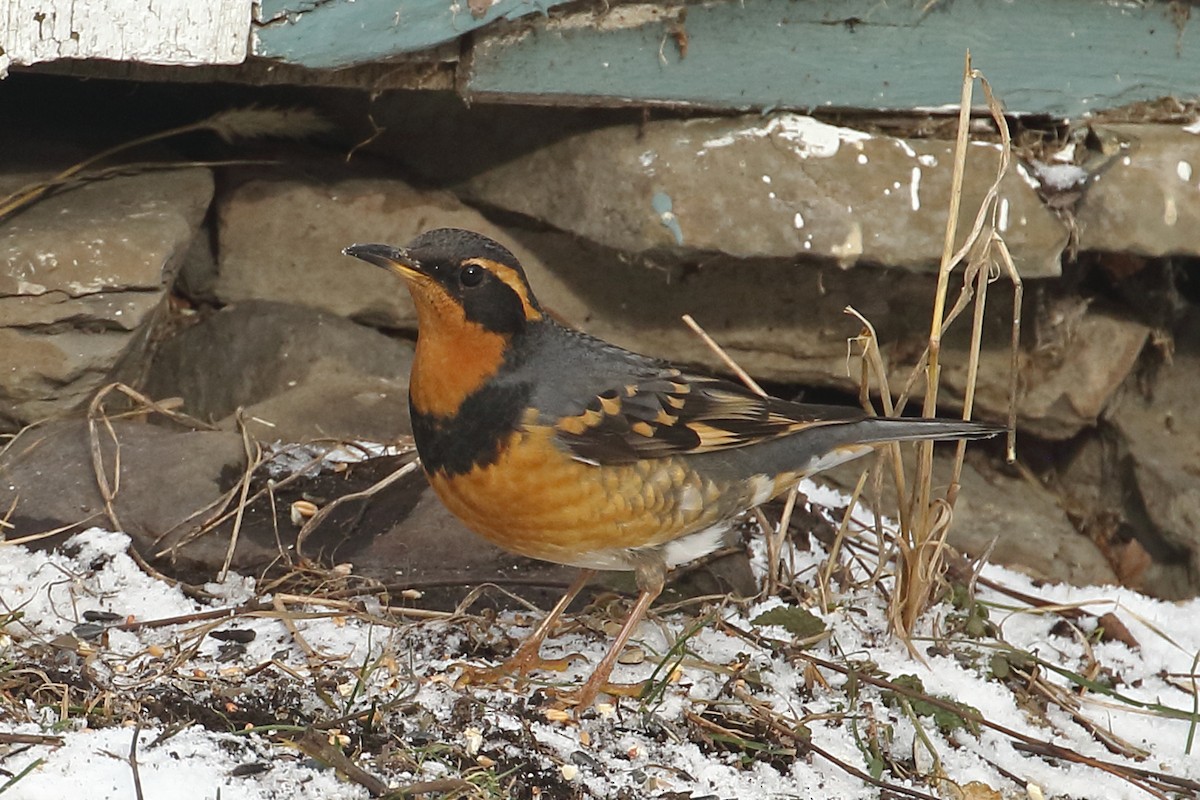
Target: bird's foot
{"x": 517, "y": 668}
{"x": 584, "y": 697}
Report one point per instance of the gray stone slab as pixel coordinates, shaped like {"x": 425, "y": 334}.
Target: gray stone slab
{"x": 282, "y": 240}
{"x": 782, "y": 186}
{"x": 1157, "y": 462}
{"x": 1147, "y": 201}
{"x": 297, "y": 373}
{"x": 82, "y": 274}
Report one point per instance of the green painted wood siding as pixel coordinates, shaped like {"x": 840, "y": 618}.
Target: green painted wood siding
{"x": 319, "y": 34}
{"x": 1057, "y": 57}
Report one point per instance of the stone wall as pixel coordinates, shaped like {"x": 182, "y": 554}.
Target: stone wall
{"x": 224, "y": 286}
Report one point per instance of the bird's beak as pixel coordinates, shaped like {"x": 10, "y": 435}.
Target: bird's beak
{"x": 390, "y": 258}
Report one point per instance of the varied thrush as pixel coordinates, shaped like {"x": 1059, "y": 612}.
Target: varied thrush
{"x": 560, "y": 446}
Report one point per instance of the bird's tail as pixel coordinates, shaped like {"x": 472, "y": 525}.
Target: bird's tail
{"x": 906, "y": 429}
{"x": 820, "y": 447}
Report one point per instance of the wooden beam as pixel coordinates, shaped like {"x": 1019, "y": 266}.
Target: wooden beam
{"x": 320, "y": 34}
{"x": 1061, "y": 58}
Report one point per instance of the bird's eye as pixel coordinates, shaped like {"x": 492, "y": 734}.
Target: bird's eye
{"x": 471, "y": 275}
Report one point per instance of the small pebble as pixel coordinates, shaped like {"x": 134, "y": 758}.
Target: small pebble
{"x": 585, "y": 760}
{"x": 632, "y": 655}
{"x": 229, "y": 651}
{"x": 302, "y": 510}
{"x": 253, "y": 768}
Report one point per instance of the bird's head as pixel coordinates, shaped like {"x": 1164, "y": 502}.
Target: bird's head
{"x": 458, "y": 277}
{"x": 472, "y": 301}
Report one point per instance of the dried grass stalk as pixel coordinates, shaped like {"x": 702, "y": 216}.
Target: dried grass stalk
{"x": 230, "y": 125}
{"x": 257, "y": 123}
{"x": 923, "y": 520}
{"x": 920, "y": 566}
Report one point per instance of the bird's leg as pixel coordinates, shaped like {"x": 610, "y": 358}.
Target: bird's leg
{"x": 650, "y": 578}
{"x": 527, "y": 657}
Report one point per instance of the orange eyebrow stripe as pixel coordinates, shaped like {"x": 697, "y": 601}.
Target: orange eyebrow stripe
{"x": 511, "y": 278}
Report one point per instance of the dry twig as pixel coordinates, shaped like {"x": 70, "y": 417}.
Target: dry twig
{"x": 230, "y": 125}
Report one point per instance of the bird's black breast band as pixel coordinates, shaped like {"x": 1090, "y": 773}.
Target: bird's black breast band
{"x": 475, "y": 435}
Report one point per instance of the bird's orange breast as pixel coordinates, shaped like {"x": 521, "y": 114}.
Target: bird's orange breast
{"x": 537, "y": 501}
{"x": 454, "y": 356}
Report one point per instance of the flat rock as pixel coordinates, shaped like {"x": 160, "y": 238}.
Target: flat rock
{"x": 783, "y": 186}
{"x": 298, "y": 374}
{"x": 1006, "y": 518}
{"x": 48, "y": 480}
{"x": 412, "y": 129}
{"x": 282, "y": 240}
{"x": 82, "y": 273}
{"x": 334, "y": 401}
{"x": 1096, "y": 356}
{"x": 1095, "y": 487}
{"x": 1147, "y": 201}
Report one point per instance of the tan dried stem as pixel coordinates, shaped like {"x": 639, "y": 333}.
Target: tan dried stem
{"x": 924, "y": 478}
{"x": 836, "y": 548}
{"x": 97, "y": 418}
{"x": 231, "y": 124}
{"x": 920, "y": 565}
{"x": 253, "y": 452}
{"x": 315, "y": 520}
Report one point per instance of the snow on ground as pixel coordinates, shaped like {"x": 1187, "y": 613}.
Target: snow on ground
{"x": 194, "y": 763}
{"x": 708, "y": 734}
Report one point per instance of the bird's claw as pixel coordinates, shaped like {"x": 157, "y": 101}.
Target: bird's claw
{"x": 518, "y": 668}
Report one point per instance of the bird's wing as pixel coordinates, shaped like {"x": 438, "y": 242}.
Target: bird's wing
{"x": 674, "y": 413}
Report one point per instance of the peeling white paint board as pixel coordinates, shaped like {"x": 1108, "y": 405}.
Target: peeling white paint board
{"x": 189, "y": 32}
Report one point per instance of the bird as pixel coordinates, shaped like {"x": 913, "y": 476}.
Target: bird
{"x": 560, "y": 446}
